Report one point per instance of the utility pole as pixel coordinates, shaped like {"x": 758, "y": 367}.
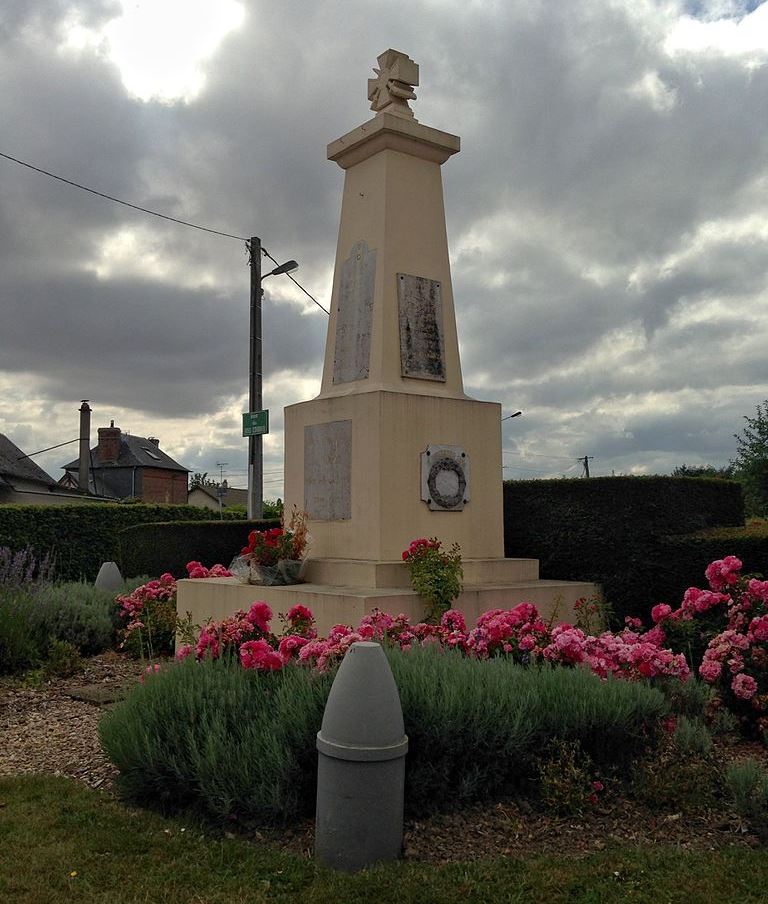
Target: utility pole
{"x": 585, "y": 461}
{"x": 255, "y": 449}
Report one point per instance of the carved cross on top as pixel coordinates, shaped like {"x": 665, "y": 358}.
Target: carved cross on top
{"x": 391, "y": 91}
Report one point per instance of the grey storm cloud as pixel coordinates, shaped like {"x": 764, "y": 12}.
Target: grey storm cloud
{"x": 592, "y": 164}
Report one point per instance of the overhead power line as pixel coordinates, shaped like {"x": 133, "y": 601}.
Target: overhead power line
{"x": 101, "y": 194}
{"x": 153, "y": 213}
{"x": 536, "y": 455}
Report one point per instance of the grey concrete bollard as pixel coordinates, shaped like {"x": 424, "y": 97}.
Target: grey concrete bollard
{"x": 361, "y": 764}
{"x": 109, "y": 577}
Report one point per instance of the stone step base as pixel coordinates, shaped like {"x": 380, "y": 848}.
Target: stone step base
{"x": 333, "y": 604}
{"x": 378, "y": 575}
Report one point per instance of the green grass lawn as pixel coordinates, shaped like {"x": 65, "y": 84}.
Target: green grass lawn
{"x": 60, "y": 842}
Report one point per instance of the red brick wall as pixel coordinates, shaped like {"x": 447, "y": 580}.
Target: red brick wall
{"x": 169, "y": 487}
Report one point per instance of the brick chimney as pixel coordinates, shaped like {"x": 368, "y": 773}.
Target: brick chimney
{"x": 109, "y": 444}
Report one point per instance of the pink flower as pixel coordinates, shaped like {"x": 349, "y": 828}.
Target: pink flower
{"x": 758, "y": 628}
{"x": 758, "y": 589}
{"x": 257, "y": 654}
{"x": 710, "y": 670}
{"x": 290, "y": 646}
{"x": 183, "y": 651}
{"x": 453, "y": 620}
{"x": 300, "y": 613}
{"x": 723, "y": 572}
{"x": 660, "y": 612}
{"x": 260, "y": 615}
{"x": 656, "y": 636}
{"x": 744, "y": 686}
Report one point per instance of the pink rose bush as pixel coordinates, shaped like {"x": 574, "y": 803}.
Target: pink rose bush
{"x": 723, "y": 629}
{"x": 729, "y": 623}
{"x": 148, "y": 613}
{"x": 519, "y": 633}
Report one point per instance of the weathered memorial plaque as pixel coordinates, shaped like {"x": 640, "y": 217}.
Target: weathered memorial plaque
{"x": 328, "y": 471}
{"x": 354, "y": 315}
{"x": 422, "y": 348}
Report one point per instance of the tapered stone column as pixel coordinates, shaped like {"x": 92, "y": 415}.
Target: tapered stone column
{"x": 392, "y": 393}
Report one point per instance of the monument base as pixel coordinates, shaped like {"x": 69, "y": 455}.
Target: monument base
{"x": 346, "y": 603}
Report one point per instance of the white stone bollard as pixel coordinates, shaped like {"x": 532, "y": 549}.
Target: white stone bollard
{"x": 109, "y": 577}
{"x": 361, "y": 764}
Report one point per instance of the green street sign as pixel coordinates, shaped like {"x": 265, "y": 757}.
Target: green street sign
{"x": 255, "y": 423}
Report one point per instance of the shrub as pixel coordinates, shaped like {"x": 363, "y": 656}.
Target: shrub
{"x": 63, "y": 660}
{"x": 690, "y": 698}
{"x": 219, "y": 739}
{"x": 618, "y": 531}
{"x": 77, "y": 613}
{"x": 228, "y": 740}
{"x": 23, "y": 568}
{"x": 436, "y": 574}
{"x": 566, "y": 780}
{"x": 748, "y": 784}
{"x": 157, "y": 548}
{"x": 81, "y": 537}
{"x": 20, "y": 649}
{"x": 692, "y": 738}
{"x": 34, "y": 616}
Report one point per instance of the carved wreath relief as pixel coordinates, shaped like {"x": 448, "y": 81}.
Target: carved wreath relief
{"x": 445, "y": 478}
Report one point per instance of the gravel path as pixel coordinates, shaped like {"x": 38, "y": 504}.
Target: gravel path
{"x": 46, "y": 729}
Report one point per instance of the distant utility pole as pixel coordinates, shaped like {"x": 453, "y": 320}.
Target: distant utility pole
{"x": 222, "y": 488}
{"x": 585, "y": 461}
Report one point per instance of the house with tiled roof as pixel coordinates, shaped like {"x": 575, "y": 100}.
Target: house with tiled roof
{"x": 125, "y": 466}
{"x": 23, "y": 481}
{"x": 216, "y": 497}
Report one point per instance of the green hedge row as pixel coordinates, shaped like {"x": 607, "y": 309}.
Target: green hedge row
{"x": 679, "y": 562}
{"x": 160, "y": 547}
{"x": 616, "y": 531}
{"x": 83, "y": 536}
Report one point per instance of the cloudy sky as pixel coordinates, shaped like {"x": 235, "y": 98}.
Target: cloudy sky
{"x": 607, "y": 216}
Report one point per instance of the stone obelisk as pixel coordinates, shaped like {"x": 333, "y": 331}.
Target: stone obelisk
{"x": 392, "y": 448}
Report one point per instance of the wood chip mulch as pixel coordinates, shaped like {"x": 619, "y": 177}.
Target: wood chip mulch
{"x": 53, "y": 728}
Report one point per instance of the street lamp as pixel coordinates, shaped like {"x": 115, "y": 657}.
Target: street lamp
{"x": 255, "y": 450}
{"x": 516, "y": 414}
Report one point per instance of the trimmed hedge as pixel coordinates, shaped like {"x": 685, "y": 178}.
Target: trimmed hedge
{"x": 168, "y": 546}
{"x": 82, "y": 536}
{"x": 679, "y": 562}
{"x": 614, "y": 531}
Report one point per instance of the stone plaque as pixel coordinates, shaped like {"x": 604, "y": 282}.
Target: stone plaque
{"x": 354, "y": 316}
{"x": 328, "y": 471}
{"x": 422, "y": 348}
{"x": 445, "y": 478}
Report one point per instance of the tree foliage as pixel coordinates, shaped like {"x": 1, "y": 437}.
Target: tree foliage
{"x": 723, "y": 473}
{"x": 751, "y": 462}
{"x": 199, "y": 479}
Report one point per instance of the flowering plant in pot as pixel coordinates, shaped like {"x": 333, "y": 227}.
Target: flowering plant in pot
{"x": 275, "y": 556}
